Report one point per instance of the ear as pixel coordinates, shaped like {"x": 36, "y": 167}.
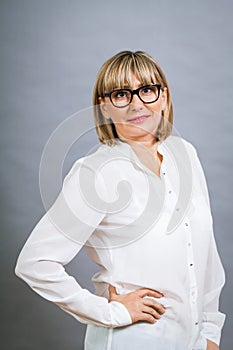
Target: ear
{"x": 164, "y": 99}
{"x": 104, "y": 108}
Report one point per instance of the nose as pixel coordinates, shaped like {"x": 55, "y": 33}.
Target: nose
{"x": 136, "y": 103}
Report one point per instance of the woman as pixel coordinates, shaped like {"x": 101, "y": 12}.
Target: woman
{"x": 140, "y": 206}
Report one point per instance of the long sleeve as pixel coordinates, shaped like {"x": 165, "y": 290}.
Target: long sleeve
{"x": 213, "y": 319}
{"x": 55, "y": 241}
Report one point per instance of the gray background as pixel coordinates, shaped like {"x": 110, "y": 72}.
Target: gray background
{"x": 50, "y": 53}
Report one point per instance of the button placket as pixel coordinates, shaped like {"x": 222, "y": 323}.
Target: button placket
{"x": 193, "y": 295}
{"x": 192, "y": 275}
{"x": 171, "y": 196}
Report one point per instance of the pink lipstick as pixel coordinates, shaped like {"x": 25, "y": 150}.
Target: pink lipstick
{"x": 139, "y": 119}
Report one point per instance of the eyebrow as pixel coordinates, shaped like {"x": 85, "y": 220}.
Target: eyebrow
{"x": 128, "y": 87}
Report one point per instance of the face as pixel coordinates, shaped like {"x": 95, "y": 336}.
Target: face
{"x": 138, "y": 121}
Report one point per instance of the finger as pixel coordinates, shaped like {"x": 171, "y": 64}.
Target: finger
{"x": 152, "y": 312}
{"x": 147, "y": 317}
{"x": 152, "y": 303}
{"x": 149, "y": 292}
{"x": 112, "y": 290}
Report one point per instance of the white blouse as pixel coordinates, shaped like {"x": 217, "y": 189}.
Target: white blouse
{"x": 143, "y": 230}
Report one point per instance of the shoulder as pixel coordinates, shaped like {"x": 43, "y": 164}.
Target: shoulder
{"x": 91, "y": 165}
{"x": 184, "y": 154}
{"x": 92, "y": 158}
{"x": 179, "y": 146}
{"x": 178, "y": 139}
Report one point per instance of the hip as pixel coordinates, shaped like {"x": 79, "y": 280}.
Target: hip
{"x": 158, "y": 336}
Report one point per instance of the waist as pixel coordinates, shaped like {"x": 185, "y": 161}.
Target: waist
{"x": 161, "y": 335}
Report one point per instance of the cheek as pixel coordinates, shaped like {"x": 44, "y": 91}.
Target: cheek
{"x": 157, "y": 107}
{"x": 116, "y": 114}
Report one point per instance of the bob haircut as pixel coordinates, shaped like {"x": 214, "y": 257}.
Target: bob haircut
{"x": 114, "y": 74}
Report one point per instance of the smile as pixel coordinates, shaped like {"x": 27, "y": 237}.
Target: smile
{"x": 139, "y": 119}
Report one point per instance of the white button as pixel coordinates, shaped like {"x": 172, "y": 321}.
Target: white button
{"x": 170, "y": 191}
{"x": 177, "y": 209}
{"x": 196, "y": 323}
{"x": 189, "y": 244}
{"x": 186, "y": 224}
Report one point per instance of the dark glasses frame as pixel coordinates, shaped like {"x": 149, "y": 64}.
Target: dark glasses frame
{"x": 133, "y": 92}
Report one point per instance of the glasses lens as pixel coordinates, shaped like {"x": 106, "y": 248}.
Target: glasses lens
{"x": 149, "y": 93}
{"x": 120, "y": 98}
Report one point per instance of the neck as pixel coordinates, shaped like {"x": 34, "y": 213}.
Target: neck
{"x": 151, "y": 145}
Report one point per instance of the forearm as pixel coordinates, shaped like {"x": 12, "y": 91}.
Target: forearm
{"x": 41, "y": 266}
{"x": 213, "y": 318}
{"x": 211, "y": 345}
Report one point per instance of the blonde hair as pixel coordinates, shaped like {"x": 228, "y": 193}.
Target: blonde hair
{"x": 115, "y": 73}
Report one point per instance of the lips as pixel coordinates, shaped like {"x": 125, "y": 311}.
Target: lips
{"x": 139, "y": 119}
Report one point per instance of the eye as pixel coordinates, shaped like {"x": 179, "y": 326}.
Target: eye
{"x": 147, "y": 90}
{"x": 120, "y": 94}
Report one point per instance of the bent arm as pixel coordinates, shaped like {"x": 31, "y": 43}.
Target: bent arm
{"x": 53, "y": 243}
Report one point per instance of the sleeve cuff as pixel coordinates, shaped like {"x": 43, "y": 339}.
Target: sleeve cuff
{"x": 201, "y": 343}
{"x": 212, "y": 331}
{"x": 120, "y": 316}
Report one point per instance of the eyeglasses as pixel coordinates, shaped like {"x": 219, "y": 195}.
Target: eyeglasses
{"x": 121, "y": 98}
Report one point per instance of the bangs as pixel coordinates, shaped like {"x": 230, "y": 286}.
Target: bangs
{"x": 119, "y": 73}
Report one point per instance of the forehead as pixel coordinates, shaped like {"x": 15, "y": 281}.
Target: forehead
{"x": 134, "y": 82}
{"x": 129, "y": 74}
